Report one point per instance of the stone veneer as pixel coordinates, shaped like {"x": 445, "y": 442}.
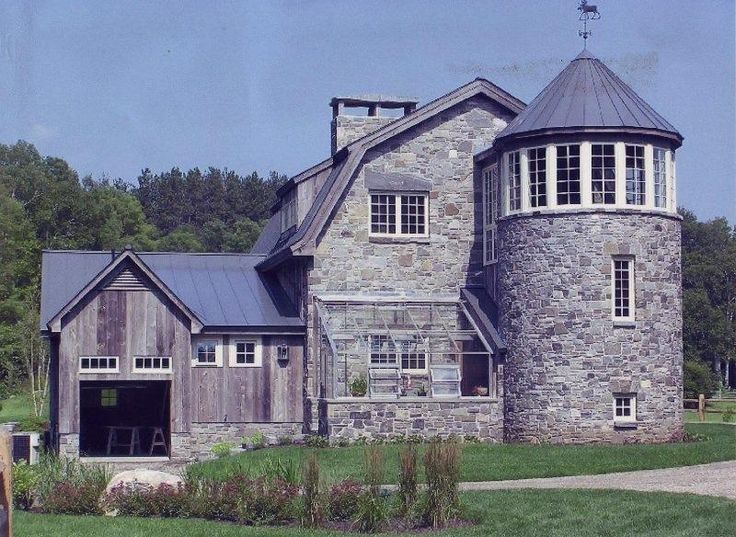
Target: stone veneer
{"x": 566, "y": 357}
{"x": 347, "y": 129}
{"x": 353, "y": 418}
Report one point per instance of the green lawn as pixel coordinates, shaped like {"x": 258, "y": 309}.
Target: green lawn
{"x": 15, "y": 408}
{"x": 519, "y": 513}
{"x": 490, "y": 462}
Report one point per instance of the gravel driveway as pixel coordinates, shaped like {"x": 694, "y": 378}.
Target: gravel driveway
{"x": 715, "y": 479}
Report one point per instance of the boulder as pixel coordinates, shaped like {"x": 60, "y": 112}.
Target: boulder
{"x": 151, "y": 478}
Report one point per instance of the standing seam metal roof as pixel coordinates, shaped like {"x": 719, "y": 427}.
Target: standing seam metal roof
{"x": 587, "y": 94}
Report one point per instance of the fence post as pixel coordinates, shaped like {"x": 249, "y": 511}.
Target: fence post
{"x": 6, "y": 490}
{"x": 701, "y": 407}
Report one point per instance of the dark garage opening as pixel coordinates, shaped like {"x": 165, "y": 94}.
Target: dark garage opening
{"x": 124, "y": 419}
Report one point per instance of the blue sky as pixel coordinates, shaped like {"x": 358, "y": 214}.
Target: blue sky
{"x": 114, "y": 87}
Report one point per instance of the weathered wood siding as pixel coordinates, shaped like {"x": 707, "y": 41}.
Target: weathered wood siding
{"x": 124, "y": 324}
{"x": 270, "y": 393}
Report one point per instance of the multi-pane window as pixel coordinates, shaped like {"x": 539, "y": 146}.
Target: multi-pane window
{"x": 152, "y": 363}
{"x": 246, "y": 353}
{"x": 514, "y": 181}
{"x": 537, "y": 157}
{"x": 603, "y": 173}
{"x": 108, "y": 397}
{"x": 624, "y": 407}
{"x": 635, "y": 181}
{"x": 623, "y": 289}
{"x": 206, "y": 352}
{"x": 102, "y": 364}
{"x": 568, "y": 175}
{"x": 660, "y": 178}
{"x": 412, "y": 211}
{"x": 383, "y": 350}
{"x": 490, "y": 213}
{"x": 412, "y": 359}
{"x": 289, "y": 210}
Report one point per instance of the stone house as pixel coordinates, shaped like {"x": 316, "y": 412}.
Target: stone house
{"x": 475, "y": 266}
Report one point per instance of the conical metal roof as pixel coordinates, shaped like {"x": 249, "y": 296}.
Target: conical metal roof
{"x": 588, "y": 96}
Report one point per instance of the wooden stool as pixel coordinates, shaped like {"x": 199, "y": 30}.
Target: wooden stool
{"x": 113, "y": 441}
{"x": 158, "y": 440}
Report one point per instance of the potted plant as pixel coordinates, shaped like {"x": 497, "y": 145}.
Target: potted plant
{"x": 422, "y": 390}
{"x": 358, "y": 386}
{"x": 480, "y": 391}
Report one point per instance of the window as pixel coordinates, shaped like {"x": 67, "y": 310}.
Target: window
{"x": 98, "y": 364}
{"x": 445, "y": 381}
{"x": 288, "y": 210}
{"x": 568, "y": 175}
{"x": 624, "y": 407}
{"x": 635, "y": 183}
{"x": 245, "y": 353}
{"x": 623, "y": 289}
{"x": 108, "y": 397}
{"x": 412, "y": 359}
{"x": 412, "y": 209}
{"x": 207, "y": 352}
{"x": 490, "y": 214}
{"x": 152, "y": 364}
{"x": 660, "y": 178}
{"x": 383, "y": 350}
{"x": 603, "y": 174}
{"x": 537, "y": 177}
{"x": 514, "y": 181}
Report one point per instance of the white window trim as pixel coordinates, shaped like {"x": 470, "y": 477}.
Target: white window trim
{"x": 632, "y": 402}
{"x": 116, "y": 369}
{"x": 218, "y": 352}
{"x": 152, "y": 371}
{"x": 258, "y": 351}
{"x": 526, "y": 177}
{"x": 490, "y": 224}
{"x": 397, "y": 196}
{"x": 632, "y": 290}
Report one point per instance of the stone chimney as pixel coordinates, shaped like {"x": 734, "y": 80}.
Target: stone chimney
{"x": 348, "y": 128}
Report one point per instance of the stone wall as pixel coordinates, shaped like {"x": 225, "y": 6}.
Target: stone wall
{"x": 198, "y": 443}
{"x": 355, "y": 418}
{"x": 347, "y": 129}
{"x": 566, "y": 357}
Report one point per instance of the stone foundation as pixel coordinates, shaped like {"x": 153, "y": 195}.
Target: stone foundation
{"x": 354, "y": 418}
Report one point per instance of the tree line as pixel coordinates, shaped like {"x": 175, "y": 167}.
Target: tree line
{"x": 45, "y": 204}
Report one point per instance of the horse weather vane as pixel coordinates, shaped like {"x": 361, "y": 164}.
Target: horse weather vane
{"x": 587, "y": 13}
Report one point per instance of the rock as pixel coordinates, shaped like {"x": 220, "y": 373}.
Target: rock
{"x": 151, "y": 478}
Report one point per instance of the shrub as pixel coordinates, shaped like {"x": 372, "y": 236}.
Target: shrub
{"x": 316, "y": 441}
{"x": 698, "y": 378}
{"x": 32, "y": 423}
{"x": 74, "y": 499}
{"x": 358, "y": 386}
{"x": 442, "y": 470}
{"x": 267, "y": 502}
{"x": 25, "y": 480}
{"x": 277, "y": 468}
{"x": 138, "y": 499}
{"x": 371, "y": 506}
{"x": 728, "y": 416}
{"x": 222, "y": 449}
{"x": 311, "y": 497}
{"x": 65, "y": 486}
{"x": 344, "y": 500}
{"x": 285, "y": 440}
{"x": 407, "y": 478}
{"x": 257, "y": 440}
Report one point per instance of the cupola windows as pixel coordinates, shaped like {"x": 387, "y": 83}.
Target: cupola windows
{"x": 587, "y": 175}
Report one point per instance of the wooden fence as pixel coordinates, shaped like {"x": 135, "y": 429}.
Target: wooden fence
{"x": 701, "y": 401}
{"x": 6, "y": 491}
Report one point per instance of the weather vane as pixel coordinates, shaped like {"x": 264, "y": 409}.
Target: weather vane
{"x": 587, "y": 13}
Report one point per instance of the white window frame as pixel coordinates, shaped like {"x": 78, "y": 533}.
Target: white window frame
{"x": 218, "y": 352}
{"x": 398, "y": 206}
{"x": 257, "y": 352}
{"x": 660, "y": 182}
{"x": 405, "y": 350}
{"x": 515, "y": 193}
{"x": 603, "y": 179}
{"x": 152, "y": 370}
{"x": 639, "y": 198}
{"x": 98, "y": 369}
{"x": 624, "y": 397}
{"x": 569, "y": 181}
{"x": 631, "y": 317}
{"x": 534, "y": 198}
{"x": 388, "y": 351}
{"x": 289, "y": 208}
{"x": 490, "y": 214}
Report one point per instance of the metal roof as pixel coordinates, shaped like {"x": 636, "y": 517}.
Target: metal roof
{"x": 587, "y": 95}
{"x": 222, "y": 290}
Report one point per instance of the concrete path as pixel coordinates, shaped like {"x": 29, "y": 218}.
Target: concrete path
{"x": 715, "y": 479}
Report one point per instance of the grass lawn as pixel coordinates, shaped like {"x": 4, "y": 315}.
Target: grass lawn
{"x": 527, "y": 513}
{"x": 15, "y": 408}
{"x": 491, "y": 462}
